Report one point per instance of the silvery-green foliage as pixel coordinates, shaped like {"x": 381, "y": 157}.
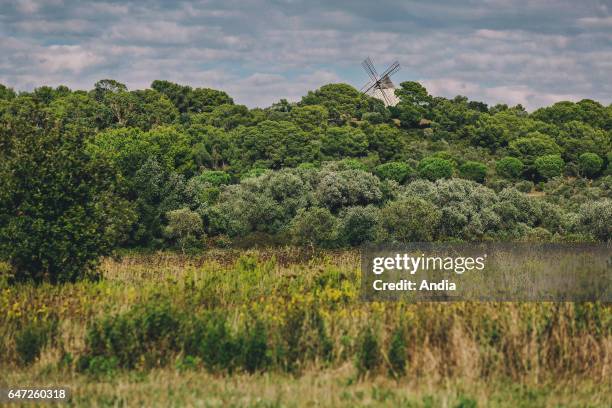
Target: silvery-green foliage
{"x": 185, "y": 226}
{"x": 265, "y": 203}
{"x": 595, "y": 218}
{"x": 359, "y": 225}
{"x": 466, "y": 207}
{"x": 515, "y": 206}
{"x": 348, "y": 188}
{"x": 314, "y": 226}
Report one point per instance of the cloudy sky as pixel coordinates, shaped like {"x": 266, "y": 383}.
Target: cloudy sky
{"x": 533, "y": 52}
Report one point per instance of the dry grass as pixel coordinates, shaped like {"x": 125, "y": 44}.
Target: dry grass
{"x": 497, "y": 354}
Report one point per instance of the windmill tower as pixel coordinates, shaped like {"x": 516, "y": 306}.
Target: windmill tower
{"x": 380, "y": 87}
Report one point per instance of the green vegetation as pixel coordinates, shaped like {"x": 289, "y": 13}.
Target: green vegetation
{"x": 186, "y": 170}
{"x": 286, "y": 315}
{"x": 83, "y": 173}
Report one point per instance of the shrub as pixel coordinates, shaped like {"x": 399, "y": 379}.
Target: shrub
{"x": 510, "y": 168}
{"x": 467, "y": 209}
{"x": 315, "y": 226}
{"x": 146, "y": 333}
{"x": 214, "y": 177}
{"x": 98, "y": 366}
{"x": 589, "y": 164}
{"x": 397, "y": 353}
{"x": 255, "y": 347}
{"x": 434, "y": 168}
{"x": 595, "y": 218}
{"x": 549, "y": 166}
{"x": 524, "y": 186}
{"x": 209, "y": 338}
{"x": 409, "y": 220}
{"x": 368, "y": 354}
{"x": 348, "y": 188}
{"x": 374, "y": 118}
{"x": 474, "y": 171}
{"x": 358, "y": 225}
{"x": 396, "y": 171}
{"x": 31, "y": 339}
{"x": 184, "y": 225}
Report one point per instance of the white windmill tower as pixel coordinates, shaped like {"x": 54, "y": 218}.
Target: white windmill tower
{"x": 380, "y": 87}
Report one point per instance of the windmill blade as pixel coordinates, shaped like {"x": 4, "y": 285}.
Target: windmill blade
{"x": 370, "y": 64}
{"x": 371, "y": 85}
{"x": 393, "y": 68}
{"x": 384, "y": 95}
{"x": 367, "y": 85}
{"x": 369, "y": 69}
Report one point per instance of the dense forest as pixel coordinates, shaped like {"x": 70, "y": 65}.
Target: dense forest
{"x": 85, "y": 172}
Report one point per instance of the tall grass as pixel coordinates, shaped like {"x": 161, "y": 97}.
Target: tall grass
{"x": 292, "y": 311}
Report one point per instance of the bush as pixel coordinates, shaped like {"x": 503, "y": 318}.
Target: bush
{"x": 410, "y": 220}
{"x": 524, "y": 186}
{"x": 374, "y": 118}
{"x": 147, "y": 333}
{"x": 434, "y": 168}
{"x": 549, "y": 166}
{"x": 396, "y": 171}
{"x": 209, "y": 338}
{"x": 358, "y": 225}
{"x": 255, "y": 348}
{"x": 31, "y": 339}
{"x": 510, "y": 168}
{"x": 474, "y": 171}
{"x": 348, "y": 188}
{"x": 368, "y": 354}
{"x": 214, "y": 177}
{"x": 590, "y": 164}
{"x": 315, "y": 226}
{"x": 184, "y": 225}
{"x": 397, "y": 353}
{"x": 595, "y": 218}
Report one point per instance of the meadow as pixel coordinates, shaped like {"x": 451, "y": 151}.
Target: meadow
{"x": 286, "y": 327}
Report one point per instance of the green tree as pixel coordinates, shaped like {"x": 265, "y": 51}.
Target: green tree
{"x": 397, "y": 171}
{"x": 6, "y": 93}
{"x": 58, "y": 210}
{"x": 342, "y": 101}
{"x": 434, "y": 168}
{"x": 387, "y": 141}
{"x": 474, "y": 171}
{"x": 188, "y": 100}
{"x": 535, "y": 145}
{"x": 214, "y": 177}
{"x": 510, "y": 168}
{"x": 272, "y": 145}
{"x": 549, "y": 166}
{"x": 311, "y": 118}
{"x": 185, "y": 226}
{"x": 414, "y": 103}
{"x": 489, "y": 131}
{"x": 343, "y": 141}
{"x": 590, "y": 164}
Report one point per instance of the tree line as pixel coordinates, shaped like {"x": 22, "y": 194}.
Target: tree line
{"x": 85, "y": 172}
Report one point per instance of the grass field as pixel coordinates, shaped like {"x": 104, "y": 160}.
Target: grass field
{"x": 285, "y": 327}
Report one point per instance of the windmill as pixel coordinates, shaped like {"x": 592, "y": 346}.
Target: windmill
{"x": 380, "y": 87}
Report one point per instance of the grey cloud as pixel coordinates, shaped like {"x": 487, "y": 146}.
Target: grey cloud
{"x": 530, "y": 52}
